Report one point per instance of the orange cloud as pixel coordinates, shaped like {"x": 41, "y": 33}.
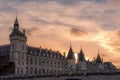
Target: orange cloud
{"x": 55, "y": 24}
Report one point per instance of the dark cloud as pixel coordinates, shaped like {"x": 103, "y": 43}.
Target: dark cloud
{"x": 65, "y": 24}
{"x": 78, "y": 32}
{"x": 42, "y": 21}
{"x": 45, "y": 22}
{"x": 101, "y": 1}
{"x": 30, "y": 31}
{"x": 68, "y": 2}
{"x": 63, "y": 2}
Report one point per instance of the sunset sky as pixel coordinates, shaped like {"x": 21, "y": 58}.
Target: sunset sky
{"x": 54, "y": 24}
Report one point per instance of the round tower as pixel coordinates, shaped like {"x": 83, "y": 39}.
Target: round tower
{"x": 71, "y": 65}
{"x": 18, "y": 48}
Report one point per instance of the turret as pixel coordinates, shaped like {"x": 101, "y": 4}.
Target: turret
{"x": 70, "y": 54}
{"x": 16, "y": 33}
{"x": 81, "y": 64}
{"x": 81, "y": 56}
{"x": 71, "y": 65}
{"x": 98, "y": 59}
{"x": 18, "y": 48}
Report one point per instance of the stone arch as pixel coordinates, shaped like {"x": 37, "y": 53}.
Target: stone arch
{"x": 11, "y": 67}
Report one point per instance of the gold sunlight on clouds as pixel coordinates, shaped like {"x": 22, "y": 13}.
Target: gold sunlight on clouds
{"x": 91, "y": 24}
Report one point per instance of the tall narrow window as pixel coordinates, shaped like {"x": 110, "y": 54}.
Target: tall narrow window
{"x": 35, "y": 61}
{"x": 31, "y": 70}
{"x": 22, "y": 47}
{"x": 39, "y": 70}
{"x": 27, "y": 70}
{"x": 35, "y": 70}
{"x": 31, "y": 61}
{"x": 39, "y": 62}
{"x": 13, "y": 46}
{"x": 18, "y": 70}
{"x": 21, "y": 70}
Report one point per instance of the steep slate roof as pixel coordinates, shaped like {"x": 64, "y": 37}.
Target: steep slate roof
{"x": 4, "y": 50}
{"x": 70, "y": 54}
{"x": 98, "y": 59}
{"x": 16, "y": 22}
{"x": 81, "y": 56}
{"x": 16, "y": 31}
{"x": 109, "y": 65}
{"x": 44, "y": 53}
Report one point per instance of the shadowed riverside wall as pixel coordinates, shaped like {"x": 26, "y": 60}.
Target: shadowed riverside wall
{"x": 89, "y": 77}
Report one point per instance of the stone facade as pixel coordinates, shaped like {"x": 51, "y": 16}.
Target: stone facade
{"x": 31, "y": 60}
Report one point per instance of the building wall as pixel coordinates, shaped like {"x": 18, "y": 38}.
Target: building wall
{"x": 18, "y": 50}
{"x": 44, "y": 65}
{"x": 71, "y": 65}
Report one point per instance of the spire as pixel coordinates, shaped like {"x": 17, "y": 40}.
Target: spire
{"x": 81, "y": 56}
{"x": 70, "y": 53}
{"x": 98, "y": 59}
{"x": 16, "y": 24}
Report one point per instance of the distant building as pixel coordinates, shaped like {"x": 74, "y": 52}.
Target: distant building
{"x": 20, "y": 58}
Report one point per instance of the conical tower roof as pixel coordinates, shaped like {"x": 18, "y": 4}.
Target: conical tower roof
{"x": 70, "y": 54}
{"x": 98, "y": 59}
{"x": 16, "y": 24}
{"x": 16, "y": 31}
{"x": 81, "y": 56}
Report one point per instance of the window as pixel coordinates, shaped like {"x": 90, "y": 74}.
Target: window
{"x": 18, "y": 70}
{"x": 13, "y": 46}
{"x": 21, "y": 70}
{"x": 18, "y": 62}
{"x": 43, "y": 70}
{"x": 31, "y": 70}
{"x": 35, "y": 61}
{"x": 22, "y": 47}
{"x": 39, "y": 70}
{"x": 31, "y": 61}
{"x": 27, "y": 70}
{"x": 39, "y": 62}
{"x": 27, "y": 61}
{"x": 22, "y": 62}
{"x": 35, "y": 70}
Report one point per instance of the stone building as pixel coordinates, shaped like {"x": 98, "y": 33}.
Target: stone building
{"x": 19, "y": 58}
